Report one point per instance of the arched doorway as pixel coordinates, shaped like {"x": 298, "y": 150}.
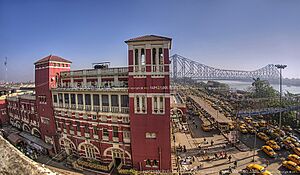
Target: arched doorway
{"x": 36, "y": 132}
{"x": 67, "y": 145}
{"x": 117, "y": 154}
{"x": 26, "y": 128}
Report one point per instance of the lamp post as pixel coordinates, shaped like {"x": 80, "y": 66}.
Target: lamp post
{"x": 280, "y": 67}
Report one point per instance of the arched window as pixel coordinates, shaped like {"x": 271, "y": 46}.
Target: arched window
{"x": 161, "y": 56}
{"x": 136, "y": 57}
{"x": 143, "y": 59}
{"x": 148, "y": 162}
{"x": 153, "y": 56}
{"x": 155, "y": 163}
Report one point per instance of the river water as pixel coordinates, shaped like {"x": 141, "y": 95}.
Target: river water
{"x": 240, "y": 85}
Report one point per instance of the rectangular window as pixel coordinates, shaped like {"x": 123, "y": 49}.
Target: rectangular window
{"x": 95, "y": 130}
{"x": 55, "y": 98}
{"x": 87, "y": 99}
{"x": 124, "y": 101}
{"x": 60, "y": 98}
{"x": 105, "y": 101}
{"x": 105, "y": 132}
{"x": 115, "y": 131}
{"x": 114, "y": 100}
{"x": 86, "y": 128}
{"x": 66, "y": 98}
{"x": 73, "y": 99}
{"x": 161, "y": 104}
{"x": 94, "y": 117}
{"x": 96, "y": 99}
{"x": 80, "y": 99}
{"x": 150, "y": 135}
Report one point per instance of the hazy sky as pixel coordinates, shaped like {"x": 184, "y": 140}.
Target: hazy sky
{"x": 240, "y": 34}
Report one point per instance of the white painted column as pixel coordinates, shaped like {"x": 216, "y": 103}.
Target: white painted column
{"x": 70, "y": 100}
{"x": 92, "y": 101}
{"x": 76, "y": 100}
{"x": 139, "y": 60}
{"x": 119, "y": 99}
{"x": 83, "y": 98}
{"x": 99, "y": 81}
{"x": 157, "y": 59}
{"x": 63, "y": 98}
{"x": 109, "y": 102}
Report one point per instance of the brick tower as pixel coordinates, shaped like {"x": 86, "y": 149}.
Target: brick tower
{"x": 149, "y": 102}
{"x": 47, "y": 71}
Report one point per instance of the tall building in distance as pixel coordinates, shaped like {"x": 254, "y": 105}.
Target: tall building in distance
{"x": 113, "y": 115}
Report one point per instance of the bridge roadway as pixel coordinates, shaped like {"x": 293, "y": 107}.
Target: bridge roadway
{"x": 265, "y": 111}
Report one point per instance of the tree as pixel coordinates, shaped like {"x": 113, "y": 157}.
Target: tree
{"x": 262, "y": 89}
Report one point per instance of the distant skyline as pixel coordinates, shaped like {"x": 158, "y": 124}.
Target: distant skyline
{"x": 231, "y": 34}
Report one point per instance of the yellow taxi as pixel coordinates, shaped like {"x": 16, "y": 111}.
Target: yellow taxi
{"x": 243, "y": 129}
{"x": 262, "y": 123}
{"x": 269, "y": 151}
{"x": 294, "y": 158}
{"x": 257, "y": 169}
{"x": 255, "y": 124}
{"x": 288, "y": 144}
{"x": 273, "y": 144}
{"x": 297, "y": 150}
{"x": 251, "y": 130}
{"x": 263, "y": 136}
{"x": 248, "y": 119}
{"x": 231, "y": 126}
{"x": 291, "y": 165}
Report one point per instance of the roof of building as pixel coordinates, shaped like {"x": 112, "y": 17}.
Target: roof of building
{"x": 149, "y": 38}
{"x": 52, "y": 58}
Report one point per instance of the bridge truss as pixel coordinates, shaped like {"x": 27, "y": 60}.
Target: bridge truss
{"x": 182, "y": 68}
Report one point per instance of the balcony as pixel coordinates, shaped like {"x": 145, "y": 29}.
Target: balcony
{"x": 73, "y": 106}
{"x": 80, "y": 107}
{"x": 94, "y": 72}
{"x": 105, "y": 109}
{"x": 125, "y": 110}
{"x": 96, "y": 108}
{"x": 96, "y": 137}
{"x": 126, "y": 140}
{"x": 115, "y": 109}
{"x": 67, "y": 105}
{"x": 88, "y": 107}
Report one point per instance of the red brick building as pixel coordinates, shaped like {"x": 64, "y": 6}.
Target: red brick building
{"x": 119, "y": 115}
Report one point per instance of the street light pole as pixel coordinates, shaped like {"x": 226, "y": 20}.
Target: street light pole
{"x": 280, "y": 67}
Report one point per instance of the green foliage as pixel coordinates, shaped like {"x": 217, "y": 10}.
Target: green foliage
{"x": 262, "y": 89}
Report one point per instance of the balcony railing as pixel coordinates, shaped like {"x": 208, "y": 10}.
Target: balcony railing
{"x": 88, "y": 107}
{"x": 115, "y": 109}
{"x": 73, "y": 106}
{"x": 105, "y": 138}
{"x": 80, "y": 107}
{"x": 125, "y": 110}
{"x": 115, "y": 139}
{"x": 105, "y": 109}
{"x": 96, "y": 108}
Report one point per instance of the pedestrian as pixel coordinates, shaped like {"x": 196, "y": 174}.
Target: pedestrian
{"x": 204, "y": 140}
{"x": 267, "y": 162}
{"x": 196, "y": 126}
{"x": 229, "y": 158}
{"x": 211, "y": 142}
{"x": 235, "y": 164}
{"x": 216, "y": 155}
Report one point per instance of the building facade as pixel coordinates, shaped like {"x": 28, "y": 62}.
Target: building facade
{"x": 109, "y": 114}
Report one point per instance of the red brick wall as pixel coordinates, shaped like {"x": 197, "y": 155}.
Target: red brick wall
{"x": 3, "y": 113}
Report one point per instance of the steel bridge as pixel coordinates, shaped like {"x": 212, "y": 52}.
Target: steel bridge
{"x": 182, "y": 68}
